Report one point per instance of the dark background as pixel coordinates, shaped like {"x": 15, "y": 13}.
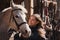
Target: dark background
{"x": 6, "y": 3}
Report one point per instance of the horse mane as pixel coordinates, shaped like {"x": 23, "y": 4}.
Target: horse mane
{"x": 4, "y": 10}
{"x": 18, "y": 6}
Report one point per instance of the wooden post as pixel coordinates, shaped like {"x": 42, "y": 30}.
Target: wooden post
{"x": 31, "y": 8}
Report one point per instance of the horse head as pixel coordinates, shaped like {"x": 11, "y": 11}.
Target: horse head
{"x": 19, "y": 18}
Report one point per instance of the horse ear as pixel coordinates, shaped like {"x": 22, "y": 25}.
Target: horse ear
{"x": 12, "y": 3}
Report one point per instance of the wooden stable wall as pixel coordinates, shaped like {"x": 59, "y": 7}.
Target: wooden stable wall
{"x": 6, "y": 3}
{"x": 27, "y": 6}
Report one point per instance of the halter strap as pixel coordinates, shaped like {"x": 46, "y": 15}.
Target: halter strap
{"x": 15, "y": 9}
{"x": 18, "y": 25}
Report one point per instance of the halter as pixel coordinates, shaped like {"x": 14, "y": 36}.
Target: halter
{"x": 18, "y": 25}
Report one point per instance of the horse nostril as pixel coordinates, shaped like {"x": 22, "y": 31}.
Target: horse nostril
{"x": 25, "y": 31}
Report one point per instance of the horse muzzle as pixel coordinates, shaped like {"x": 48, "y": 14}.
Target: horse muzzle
{"x": 26, "y": 34}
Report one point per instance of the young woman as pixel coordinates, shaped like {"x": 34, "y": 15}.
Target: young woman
{"x": 35, "y": 23}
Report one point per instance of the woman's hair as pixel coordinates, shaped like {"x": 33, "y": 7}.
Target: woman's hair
{"x": 40, "y": 22}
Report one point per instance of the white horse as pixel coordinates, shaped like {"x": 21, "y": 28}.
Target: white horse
{"x": 17, "y": 20}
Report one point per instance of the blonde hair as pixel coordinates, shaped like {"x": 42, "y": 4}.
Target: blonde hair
{"x": 40, "y": 21}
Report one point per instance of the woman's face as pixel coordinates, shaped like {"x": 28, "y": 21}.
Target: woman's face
{"x": 32, "y": 21}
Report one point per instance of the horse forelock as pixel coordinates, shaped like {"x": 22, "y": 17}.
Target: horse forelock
{"x": 20, "y": 7}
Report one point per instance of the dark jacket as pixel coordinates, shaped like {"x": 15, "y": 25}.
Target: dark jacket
{"x": 35, "y": 34}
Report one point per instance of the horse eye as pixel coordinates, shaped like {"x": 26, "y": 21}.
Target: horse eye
{"x": 16, "y": 16}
